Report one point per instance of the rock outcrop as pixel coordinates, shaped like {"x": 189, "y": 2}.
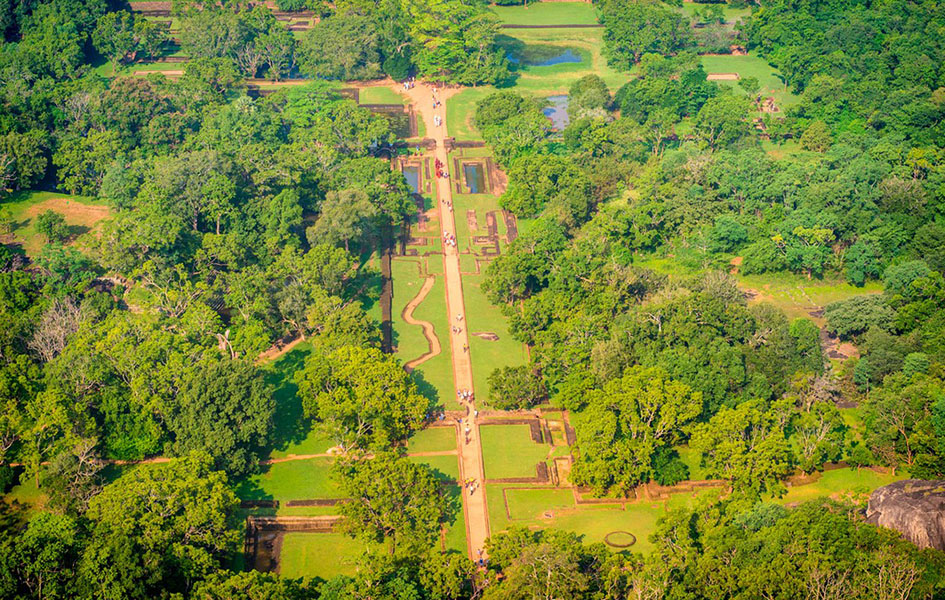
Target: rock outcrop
{"x": 913, "y": 507}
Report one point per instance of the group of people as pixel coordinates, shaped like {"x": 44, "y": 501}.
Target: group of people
{"x": 409, "y": 83}
{"x": 448, "y": 204}
{"x": 471, "y": 484}
{"x": 441, "y": 171}
{"x": 437, "y": 119}
{"x": 465, "y": 395}
{"x": 435, "y": 415}
{"x": 449, "y": 239}
{"x": 456, "y": 329}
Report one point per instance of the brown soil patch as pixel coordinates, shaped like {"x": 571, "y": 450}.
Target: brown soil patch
{"x": 74, "y": 212}
{"x": 170, "y": 73}
{"x": 487, "y": 335}
{"x": 735, "y": 262}
{"x": 471, "y": 220}
{"x": 722, "y": 77}
{"x": 277, "y": 350}
{"x": 82, "y": 216}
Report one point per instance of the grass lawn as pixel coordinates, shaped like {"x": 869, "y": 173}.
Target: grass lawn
{"x": 487, "y": 355}
{"x": 731, "y": 14}
{"x": 482, "y": 204}
{"x": 29, "y": 495}
{"x": 446, "y": 467}
{"x": 456, "y": 529}
{"x": 379, "y": 95}
{"x": 797, "y": 296}
{"x": 319, "y": 555}
{"x": 591, "y": 522}
{"x": 293, "y": 433}
{"x": 81, "y": 215}
{"x": 433, "y": 439}
{"x": 692, "y": 458}
{"x": 538, "y": 81}
{"x": 751, "y": 66}
{"x": 548, "y": 13}
{"x": 293, "y": 480}
{"x": 435, "y": 376}
{"x": 841, "y": 483}
{"x": 532, "y": 503}
{"x": 508, "y": 451}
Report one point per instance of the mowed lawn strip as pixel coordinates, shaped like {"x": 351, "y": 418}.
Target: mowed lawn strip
{"x": 456, "y": 529}
{"x": 306, "y": 479}
{"x": 488, "y": 355}
{"x": 548, "y": 13}
{"x": 508, "y": 451}
{"x": 432, "y": 439}
{"x": 437, "y": 373}
{"x": 379, "y": 94}
{"x": 533, "y": 503}
{"x": 324, "y": 555}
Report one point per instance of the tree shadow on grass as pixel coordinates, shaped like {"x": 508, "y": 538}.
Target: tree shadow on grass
{"x": 248, "y": 488}
{"x": 427, "y": 390}
{"x": 290, "y": 426}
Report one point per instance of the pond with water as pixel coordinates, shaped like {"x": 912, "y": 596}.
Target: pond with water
{"x": 543, "y": 56}
{"x": 557, "y": 111}
{"x": 475, "y": 178}
{"x": 412, "y": 175}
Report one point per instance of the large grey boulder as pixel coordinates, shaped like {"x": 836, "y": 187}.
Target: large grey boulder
{"x": 913, "y": 507}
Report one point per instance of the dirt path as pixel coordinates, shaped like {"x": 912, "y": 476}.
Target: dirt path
{"x": 275, "y": 352}
{"x": 470, "y": 448}
{"x": 433, "y": 342}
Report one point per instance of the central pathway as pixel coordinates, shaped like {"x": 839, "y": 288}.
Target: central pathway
{"x": 470, "y": 452}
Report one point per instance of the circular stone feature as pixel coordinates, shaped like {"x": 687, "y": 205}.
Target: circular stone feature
{"x": 620, "y": 539}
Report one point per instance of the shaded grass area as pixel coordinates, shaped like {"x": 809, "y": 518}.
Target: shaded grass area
{"x": 81, "y": 214}
{"x": 292, "y": 432}
{"x": 455, "y": 538}
{"x": 751, "y": 66}
{"x": 508, "y": 451}
{"x": 322, "y": 555}
{"x": 693, "y": 460}
{"x": 548, "y": 13}
{"x": 445, "y": 467}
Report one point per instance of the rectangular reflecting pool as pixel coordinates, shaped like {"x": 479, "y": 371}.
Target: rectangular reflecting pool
{"x": 412, "y": 175}
{"x": 475, "y": 177}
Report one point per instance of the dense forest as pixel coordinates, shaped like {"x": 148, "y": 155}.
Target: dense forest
{"x": 242, "y": 221}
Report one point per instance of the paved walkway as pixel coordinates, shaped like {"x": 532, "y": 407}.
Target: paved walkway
{"x": 470, "y": 449}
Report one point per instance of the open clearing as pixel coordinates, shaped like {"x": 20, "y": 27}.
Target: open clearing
{"x": 81, "y": 215}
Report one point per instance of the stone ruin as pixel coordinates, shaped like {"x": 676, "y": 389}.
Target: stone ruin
{"x": 913, "y": 507}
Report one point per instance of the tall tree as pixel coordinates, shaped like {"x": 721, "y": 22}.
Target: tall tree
{"x": 361, "y": 396}
{"x": 393, "y": 500}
